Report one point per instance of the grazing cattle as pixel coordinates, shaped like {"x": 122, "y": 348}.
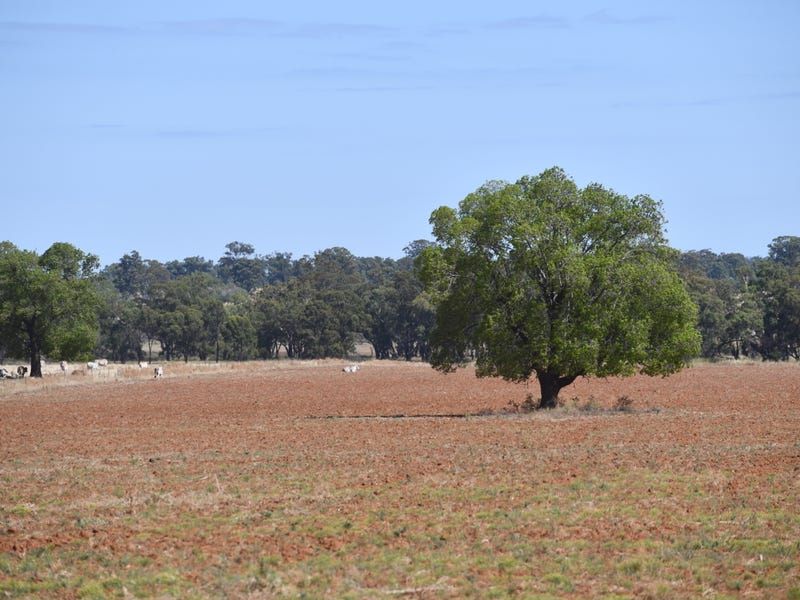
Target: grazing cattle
{"x": 101, "y": 362}
{"x": 5, "y": 374}
{"x": 92, "y": 365}
{"x": 142, "y": 364}
{"x": 158, "y": 372}
{"x": 64, "y": 366}
{"x": 351, "y": 369}
{"x": 21, "y": 371}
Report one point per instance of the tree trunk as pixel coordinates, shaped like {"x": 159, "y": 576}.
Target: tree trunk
{"x": 550, "y": 385}
{"x": 36, "y": 363}
{"x": 36, "y": 351}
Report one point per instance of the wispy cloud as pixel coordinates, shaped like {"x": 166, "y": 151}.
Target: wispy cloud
{"x": 182, "y": 131}
{"x": 385, "y": 88}
{"x": 603, "y": 17}
{"x": 330, "y": 72}
{"x": 447, "y": 30}
{"x": 549, "y": 21}
{"x": 542, "y": 21}
{"x": 52, "y": 27}
{"x": 370, "y": 57}
{"x": 327, "y": 30}
{"x": 713, "y": 101}
{"x": 190, "y": 133}
{"x": 225, "y": 26}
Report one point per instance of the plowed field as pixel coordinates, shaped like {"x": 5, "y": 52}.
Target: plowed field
{"x": 399, "y": 481}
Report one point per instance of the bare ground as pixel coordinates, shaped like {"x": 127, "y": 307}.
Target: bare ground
{"x": 268, "y": 480}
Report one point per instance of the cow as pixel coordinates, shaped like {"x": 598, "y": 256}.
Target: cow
{"x": 92, "y": 365}
{"x": 6, "y": 374}
{"x": 351, "y": 369}
{"x": 21, "y": 371}
{"x": 64, "y": 366}
{"x": 101, "y": 362}
{"x": 142, "y": 364}
{"x": 158, "y": 372}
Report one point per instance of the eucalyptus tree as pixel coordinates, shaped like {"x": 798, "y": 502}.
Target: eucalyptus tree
{"x": 544, "y": 278}
{"x": 779, "y": 284}
{"x": 48, "y": 303}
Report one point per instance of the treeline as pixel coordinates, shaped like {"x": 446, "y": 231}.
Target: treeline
{"x": 247, "y": 305}
{"x": 747, "y": 307}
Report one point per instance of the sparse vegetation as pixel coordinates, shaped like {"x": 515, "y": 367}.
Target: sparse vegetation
{"x": 234, "y": 491}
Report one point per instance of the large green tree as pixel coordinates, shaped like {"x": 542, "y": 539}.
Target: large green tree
{"x": 48, "y": 304}
{"x": 542, "y": 277}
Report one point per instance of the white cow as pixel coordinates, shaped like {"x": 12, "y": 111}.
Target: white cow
{"x": 92, "y": 365}
{"x": 351, "y": 369}
{"x": 64, "y": 366}
{"x": 142, "y": 364}
{"x": 101, "y": 362}
{"x": 158, "y": 372}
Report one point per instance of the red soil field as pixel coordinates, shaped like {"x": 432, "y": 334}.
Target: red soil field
{"x": 266, "y": 482}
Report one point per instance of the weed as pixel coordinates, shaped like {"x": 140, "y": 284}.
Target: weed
{"x": 623, "y": 403}
{"x": 559, "y": 582}
{"x": 630, "y": 567}
{"x": 530, "y": 404}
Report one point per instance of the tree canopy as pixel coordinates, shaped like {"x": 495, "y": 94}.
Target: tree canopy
{"x": 779, "y": 283}
{"x": 48, "y": 304}
{"x": 541, "y": 277}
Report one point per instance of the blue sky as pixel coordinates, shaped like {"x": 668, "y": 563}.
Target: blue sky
{"x": 176, "y": 127}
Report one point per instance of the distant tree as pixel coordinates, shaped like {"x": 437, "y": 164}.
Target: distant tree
{"x": 411, "y": 252}
{"x": 414, "y": 316}
{"x": 189, "y": 265}
{"x": 134, "y": 277}
{"x": 239, "y": 335}
{"x": 280, "y": 267}
{"x": 241, "y": 266}
{"x": 730, "y": 313}
{"x": 48, "y": 304}
{"x": 379, "y": 326}
{"x": 541, "y": 277}
{"x": 119, "y": 318}
{"x": 187, "y": 315}
{"x": 316, "y": 313}
{"x": 779, "y": 284}
{"x": 336, "y": 310}
{"x": 278, "y": 309}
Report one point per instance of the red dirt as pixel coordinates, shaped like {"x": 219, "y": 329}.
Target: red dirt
{"x": 107, "y": 449}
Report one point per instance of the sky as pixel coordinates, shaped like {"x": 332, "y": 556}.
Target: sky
{"x": 173, "y": 128}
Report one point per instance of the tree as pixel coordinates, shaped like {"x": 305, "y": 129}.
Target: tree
{"x": 188, "y": 315}
{"x": 120, "y": 332}
{"x": 541, "y": 277}
{"x": 241, "y": 266}
{"x": 135, "y": 277}
{"x": 189, "y": 265}
{"x": 317, "y": 312}
{"x": 730, "y": 314}
{"x": 779, "y": 283}
{"x": 48, "y": 304}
